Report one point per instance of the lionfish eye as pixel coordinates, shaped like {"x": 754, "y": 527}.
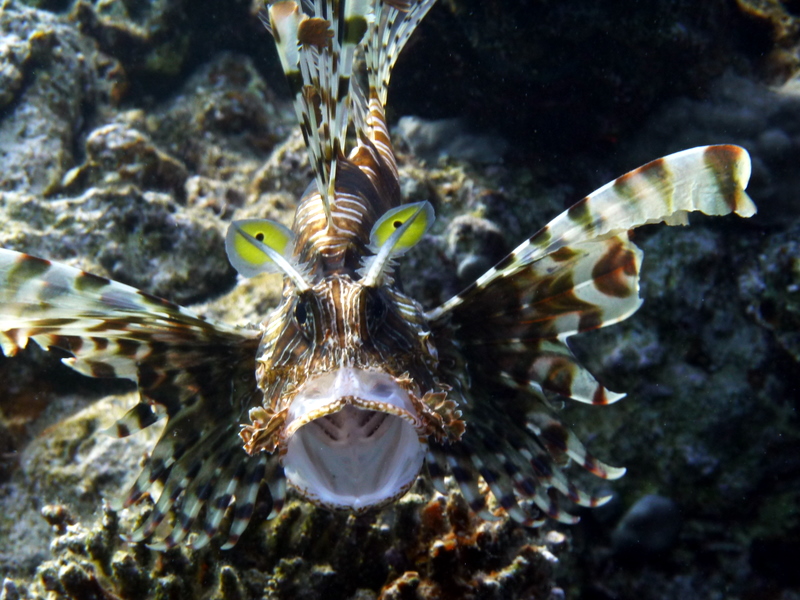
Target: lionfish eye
{"x": 418, "y": 216}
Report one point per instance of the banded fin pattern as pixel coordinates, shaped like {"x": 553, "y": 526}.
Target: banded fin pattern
{"x": 196, "y": 373}
{"x": 391, "y": 30}
{"x": 317, "y": 43}
{"x": 316, "y": 53}
{"x": 109, "y": 327}
{"x": 522, "y": 466}
{"x": 518, "y": 327}
{"x": 579, "y": 272}
{"x": 708, "y": 179}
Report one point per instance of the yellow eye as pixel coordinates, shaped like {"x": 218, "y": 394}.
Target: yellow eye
{"x": 249, "y": 258}
{"x": 421, "y": 217}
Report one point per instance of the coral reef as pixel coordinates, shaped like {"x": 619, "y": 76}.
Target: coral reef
{"x": 131, "y": 132}
{"x": 780, "y": 33}
{"x": 771, "y": 284}
{"x": 51, "y": 79}
{"x": 424, "y": 546}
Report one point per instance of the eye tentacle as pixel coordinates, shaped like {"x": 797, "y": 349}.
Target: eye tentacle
{"x": 407, "y": 225}
{"x": 276, "y": 257}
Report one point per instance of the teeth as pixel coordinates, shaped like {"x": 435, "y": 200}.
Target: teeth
{"x": 326, "y": 394}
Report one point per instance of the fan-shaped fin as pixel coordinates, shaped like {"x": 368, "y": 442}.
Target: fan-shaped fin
{"x": 708, "y": 179}
{"x": 436, "y": 464}
{"x": 560, "y": 441}
{"x": 520, "y": 458}
{"x": 196, "y": 373}
{"x": 137, "y": 418}
{"x": 245, "y": 497}
{"x": 581, "y": 272}
{"x": 109, "y": 328}
{"x": 277, "y": 489}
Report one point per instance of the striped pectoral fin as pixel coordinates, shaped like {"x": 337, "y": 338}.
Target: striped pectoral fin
{"x": 436, "y": 464}
{"x": 522, "y": 462}
{"x": 461, "y": 466}
{"x": 197, "y": 374}
{"x": 536, "y": 366}
{"x": 198, "y": 461}
{"x": 110, "y": 329}
{"x": 514, "y": 328}
{"x": 141, "y": 416}
{"x": 577, "y": 288}
{"x": 562, "y": 443}
{"x": 507, "y": 474}
{"x": 709, "y": 179}
{"x": 217, "y": 476}
{"x": 549, "y": 475}
{"x": 554, "y": 368}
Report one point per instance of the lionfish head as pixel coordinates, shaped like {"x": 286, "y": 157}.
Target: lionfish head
{"x": 346, "y": 366}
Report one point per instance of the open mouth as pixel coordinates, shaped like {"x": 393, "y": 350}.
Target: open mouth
{"x": 351, "y": 440}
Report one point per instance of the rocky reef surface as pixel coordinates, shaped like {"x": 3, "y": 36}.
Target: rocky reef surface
{"x": 132, "y": 132}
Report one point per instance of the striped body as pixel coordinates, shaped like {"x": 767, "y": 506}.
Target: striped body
{"x": 349, "y": 389}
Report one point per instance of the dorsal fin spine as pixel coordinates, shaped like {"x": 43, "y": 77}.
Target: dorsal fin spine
{"x": 390, "y": 31}
{"x": 318, "y": 44}
{"x": 394, "y": 27}
{"x": 317, "y": 54}
{"x": 300, "y": 63}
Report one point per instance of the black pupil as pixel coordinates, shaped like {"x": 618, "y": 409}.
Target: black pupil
{"x": 260, "y": 236}
{"x": 300, "y": 313}
{"x": 397, "y": 224}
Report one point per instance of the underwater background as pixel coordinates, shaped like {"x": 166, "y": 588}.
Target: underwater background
{"x": 132, "y": 131}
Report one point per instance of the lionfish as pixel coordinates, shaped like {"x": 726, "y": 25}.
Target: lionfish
{"x": 349, "y": 387}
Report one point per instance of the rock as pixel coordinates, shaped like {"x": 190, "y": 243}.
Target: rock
{"x": 50, "y": 78}
{"x": 119, "y": 154}
{"x": 771, "y": 285}
{"x": 449, "y": 139}
{"x": 649, "y": 528}
{"x": 561, "y": 78}
{"x": 144, "y": 239}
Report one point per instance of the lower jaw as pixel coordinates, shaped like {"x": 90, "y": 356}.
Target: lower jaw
{"x": 351, "y": 452}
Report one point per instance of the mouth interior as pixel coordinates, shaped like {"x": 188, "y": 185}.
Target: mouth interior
{"x": 352, "y": 442}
